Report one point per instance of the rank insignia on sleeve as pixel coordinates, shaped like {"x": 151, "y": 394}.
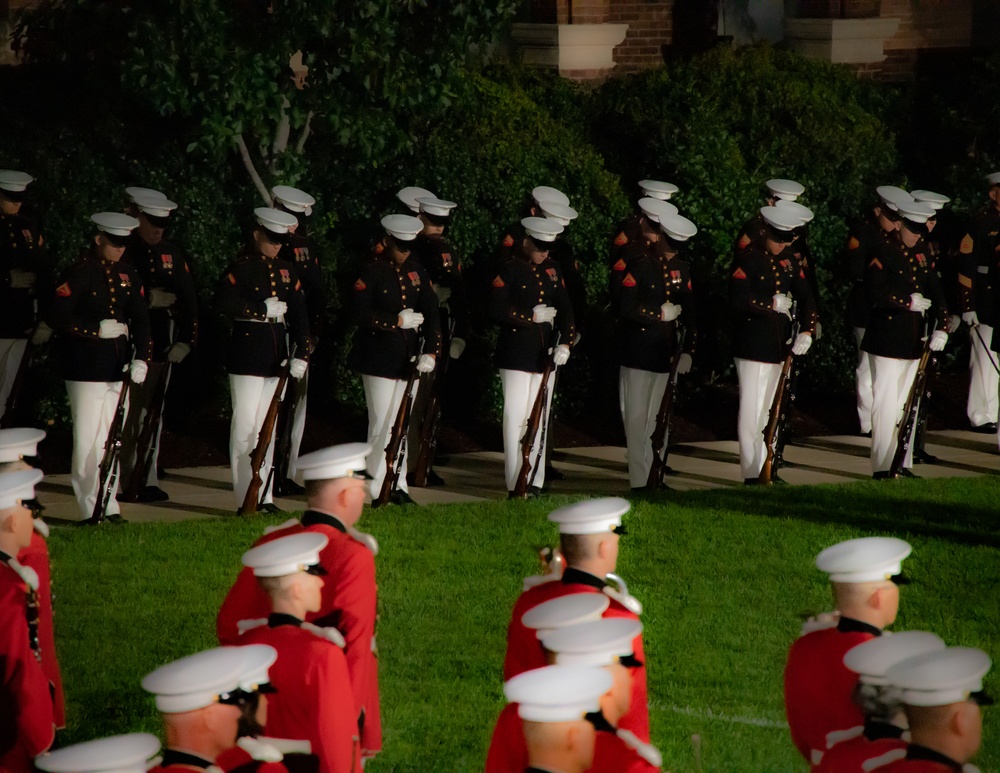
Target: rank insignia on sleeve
{"x": 64, "y": 290}
{"x": 965, "y": 281}
{"x": 232, "y": 279}
{"x": 621, "y": 239}
{"x": 360, "y": 285}
{"x": 378, "y": 248}
{"x": 508, "y": 241}
{"x": 498, "y": 282}
{"x": 619, "y": 266}
{"x": 739, "y": 273}
{"x": 966, "y": 246}
{"x": 628, "y": 281}
{"x": 853, "y": 244}
{"x": 876, "y": 263}
{"x": 743, "y": 242}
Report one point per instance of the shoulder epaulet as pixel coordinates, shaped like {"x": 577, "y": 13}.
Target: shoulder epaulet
{"x": 26, "y": 573}
{"x": 621, "y": 594}
{"x": 820, "y": 622}
{"x": 243, "y": 626}
{"x": 40, "y": 527}
{"x": 537, "y": 579}
{"x": 645, "y": 750}
{"x": 884, "y": 759}
{"x": 332, "y": 635}
{"x": 365, "y": 539}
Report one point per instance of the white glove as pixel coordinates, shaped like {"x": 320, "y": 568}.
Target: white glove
{"x": 561, "y": 355}
{"x": 970, "y": 318}
{"x": 21, "y": 280}
{"x": 684, "y": 363}
{"x": 782, "y": 304}
{"x": 258, "y": 750}
{"x": 138, "y": 371}
{"x": 297, "y": 368}
{"x": 802, "y": 343}
{"x": 275, "y": 308}
{"x": 543, "y": 314}
{"x": 161, "y": 299}
{"x": 111, "y": 328}
{"x": 41, "y": 335}
{"x": 669, "y": 311}
{"x": 954, "y": 321}
{"x": 443, "y": 294}
{"x": 819, "y": 330}
{"x": 178, "y": 352}
{"x": 919, "y": 303}
{"x": 938, "y": 339}
{"x": 409, "y": 319}
{"x": 456, "y": 348}
{"x": 425, "y": 363}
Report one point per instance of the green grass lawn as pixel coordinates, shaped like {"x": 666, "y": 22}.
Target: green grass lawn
{"x": 723, "y": 576}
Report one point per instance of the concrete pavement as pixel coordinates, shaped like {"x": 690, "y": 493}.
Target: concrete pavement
{"x": 205, "y": 492}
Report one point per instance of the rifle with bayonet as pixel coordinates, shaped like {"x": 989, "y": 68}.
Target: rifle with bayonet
{"x": 537, "y": 421}
{"x": 395, "y": 448}
{"x": 664, "y": 417}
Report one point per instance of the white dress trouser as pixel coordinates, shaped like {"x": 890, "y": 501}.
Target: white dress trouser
{"x": 251, "y": 397}
{"x": 641, "y": 393}
{"x": 92, "y": 407}
{"x": 863, "y": 379}
{"x": 758, "y": 380}
{"x": 11, "y": 352}
{"x": 891, "y": 382}
{"x": 983, "y": 379}
{"x": 301, "y": 387}
{"x": 520, "y": 389}
{"x": 383, "y": 396}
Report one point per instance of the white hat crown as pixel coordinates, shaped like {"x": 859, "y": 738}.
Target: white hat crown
{"x": 402, "y": 227}
{"x": 542, "y": 229}
{"x": 656, "y": 209}
{"x": 677, "y": 227}
{"x": 14, "y": 181}
{"x": 274, "y": 220}
{"x": 940, "y": 678}
{"x": 657, "y": 189}
{"x": 565, "y": 611}
{"x": 19, "y": 441}
{"x": 789, "y": 190}
{"x": 18, "y": 486}
{"x": 293, "y": 199}
{"x": 432, "y": 205}
{"x": 867, "y": 559}
{"x": 873, "y": 659}
{"x": 285, "y": 555}
{"x": 549, "y": 194}
{"x": 115, "y": 223}
{"x": 334, "y": 462}
{"x": 117, "y": 754}
{"x": 410, "y": 194}
{"x": 557, "y": 693}
{"x": 591, "y": 516}
{"x": 195, "y": 681}
{"x": 593, "y": 643}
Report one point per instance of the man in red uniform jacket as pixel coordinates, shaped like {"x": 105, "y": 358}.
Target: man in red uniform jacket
{"x": 589, "y": 534}
{"x": 15, "y": 445}
{"x": 602, "y": 643}
{"x": 26, "y": 727}
{"x": 865, "y": 574}
{"x": 313, "y": 699}
{"x": 335, "y": 486}
{"x": 880, "y": 741}
{"x": 202, "y": 697}
{"x": 556, "y": 705}
{"x": 942, "y": 692}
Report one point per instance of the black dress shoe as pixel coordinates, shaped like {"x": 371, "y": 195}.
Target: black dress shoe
{"x": 400, "y": 497}
{"x": 433, "y": 479}
{"x": 866, "y": 434}
{"x": 269, "y": 508}
{"x": 551, "y": 473}
{"x": 990, "y": 428}
{"x": 534, "y": 492}
{"x": 152, "y": 494}
{"x": 288, "y": 488}
{"x": 922, "y": 457}
{"x": 751, "y": 481}
{"x": 114, "y": 518}
{"x": 905, "y": 473}
{"x": 881, "y": 475}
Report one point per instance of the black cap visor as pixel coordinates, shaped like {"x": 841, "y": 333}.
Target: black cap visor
{"x": 436, "y": 219}
{"x": 981, "y": 698}
{"x": 273, "y": 237}
{"x": 889, "y": 213}
{"x": 621, "y": 530}
{"x": 779, "y": 236}
{"x": 115, "y": 240}
{"x": 537, "y": 245}
{"x": 361, "y": 474}
{"x": 915, "y": 228}
{"x": 316, "y": 569}
{"x": 34, "y": 505}
{"x": 900, "y": 579}
{"x": 399, "y": 244}
{"x": 631, "y": 661}
{"x": 16, "y": 196}
{"x": 156, "y": 220}
{"x": 600, "y": 723}
{"x": 267, "y": 688}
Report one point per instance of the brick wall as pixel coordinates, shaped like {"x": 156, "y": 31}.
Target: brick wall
{"x": 559, "y": 11}
{"x": 650, "y": 28}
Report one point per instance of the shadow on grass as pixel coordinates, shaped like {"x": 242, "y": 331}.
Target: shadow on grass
{"x": 891, "y": 506}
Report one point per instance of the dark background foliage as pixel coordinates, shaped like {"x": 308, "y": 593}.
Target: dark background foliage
{"x": 391, "y": 101}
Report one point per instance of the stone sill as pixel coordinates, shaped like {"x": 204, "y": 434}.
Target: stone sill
{"x": 841, "y": 41}
{"x": 569, "y": 47}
